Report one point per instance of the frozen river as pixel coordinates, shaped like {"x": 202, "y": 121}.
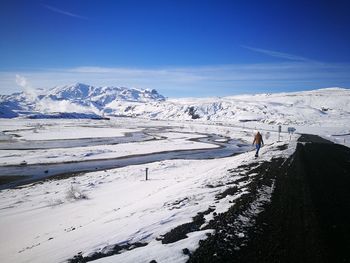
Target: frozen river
{"x": 224, "y": 147}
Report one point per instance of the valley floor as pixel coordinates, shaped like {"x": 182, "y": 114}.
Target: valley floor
{"x": 292, "y": 200}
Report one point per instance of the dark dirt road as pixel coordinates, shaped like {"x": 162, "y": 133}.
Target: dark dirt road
{"x": 307, "y": 220}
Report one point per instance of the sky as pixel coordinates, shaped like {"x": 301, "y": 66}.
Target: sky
{"x": 182, "y": 48}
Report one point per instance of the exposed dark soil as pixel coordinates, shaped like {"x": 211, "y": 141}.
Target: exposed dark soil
{"x": 223, "y": 244}
{"x": 116, "y": 249}
{"x": 307, "y": 220}
{"x": 181, "y": 231}
{"x": 10, "y": 179}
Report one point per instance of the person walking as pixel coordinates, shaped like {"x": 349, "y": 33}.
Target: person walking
{"x": 258, "y": 141}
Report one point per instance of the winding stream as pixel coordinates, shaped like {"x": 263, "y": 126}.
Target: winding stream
{"x": 33, "y": 172}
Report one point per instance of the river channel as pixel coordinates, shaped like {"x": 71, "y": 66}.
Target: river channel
{"x": 33, "y": 172}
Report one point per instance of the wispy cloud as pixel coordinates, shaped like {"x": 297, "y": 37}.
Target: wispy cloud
{"x": 24, "y": 84}
{"x": 278, "y": 54}
{"x": 63, "y": 12}
{"x": 21, "y": 81}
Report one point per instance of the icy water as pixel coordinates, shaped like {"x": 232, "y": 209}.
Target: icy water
{"x": 39, "y": 171}
{"x": 70, "y": 143}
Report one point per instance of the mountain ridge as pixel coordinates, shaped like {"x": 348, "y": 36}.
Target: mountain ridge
{"x": 327, "y": 105}
{"x": 77, "y": 98}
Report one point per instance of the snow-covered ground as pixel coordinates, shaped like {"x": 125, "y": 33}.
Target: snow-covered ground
{"x": 57, "y": 219}
{"x": 48, "y": 222}
{"x": 25, "y": 129}
{"x": 42, "y": 221}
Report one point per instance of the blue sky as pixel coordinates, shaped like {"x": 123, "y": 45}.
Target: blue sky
{"x": 180, "y": 47}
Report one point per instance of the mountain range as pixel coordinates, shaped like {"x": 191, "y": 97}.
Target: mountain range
{"x": 77, "y": 100}
{"x": 330, "y": 105}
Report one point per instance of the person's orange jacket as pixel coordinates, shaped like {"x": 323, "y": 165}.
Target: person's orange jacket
{"x": 258, "y": 139}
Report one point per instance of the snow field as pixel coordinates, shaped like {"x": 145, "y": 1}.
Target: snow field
{"x": 42, "y": 223}
{"x": 62, "y": 129}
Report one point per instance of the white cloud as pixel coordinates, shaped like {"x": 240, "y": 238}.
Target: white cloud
{"x": 48, "y": 105}
{"x": 24, "y": 84}
{"x": 21, "y": 81}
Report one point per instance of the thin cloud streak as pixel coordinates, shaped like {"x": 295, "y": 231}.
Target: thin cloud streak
{"x": 63, "y": 12}
{"x": 278, "y": 54}
{"x": 264, "y": 72}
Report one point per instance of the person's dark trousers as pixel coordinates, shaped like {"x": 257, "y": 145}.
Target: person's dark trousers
{"x": 257, "y": 149}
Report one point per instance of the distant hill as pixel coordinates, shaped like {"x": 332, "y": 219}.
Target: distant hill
{"x": 329, "y": 106}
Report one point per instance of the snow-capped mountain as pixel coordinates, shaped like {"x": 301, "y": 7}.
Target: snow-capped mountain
{"x": 102, "y": 95}
{"x": 77, "y": 98}
{"x": 299, "y": 108}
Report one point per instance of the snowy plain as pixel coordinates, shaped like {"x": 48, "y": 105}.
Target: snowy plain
{"x": 120, "y": 206}
{"x": 55, "y": 219}
{"x": 42, "y": 221}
